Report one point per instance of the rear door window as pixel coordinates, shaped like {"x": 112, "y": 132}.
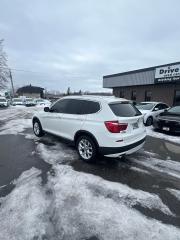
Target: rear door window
{"x": 163, "y": 106}
{"x": 124, "y": 109}
{"x": 89, "y": 107}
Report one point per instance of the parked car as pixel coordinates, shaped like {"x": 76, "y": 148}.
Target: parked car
{"x": 42, "y": 102}
{"x": 29, "y": 102}
{"x": 17, "y": 101}
{"x": 107, "y": 125}
{"x": 4, "y": 102}
{"x": 151, "y": 110}
{"x": 169, "y": 120}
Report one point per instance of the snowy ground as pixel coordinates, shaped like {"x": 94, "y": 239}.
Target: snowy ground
{"x": 136, "y": 198}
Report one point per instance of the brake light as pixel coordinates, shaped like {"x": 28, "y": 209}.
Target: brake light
{"x": 115, "y": 126}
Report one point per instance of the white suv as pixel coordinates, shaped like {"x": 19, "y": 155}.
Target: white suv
{"x": 107, "y": 125}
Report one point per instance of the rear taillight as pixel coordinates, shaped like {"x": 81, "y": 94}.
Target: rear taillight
{"x": 115, "y": 126}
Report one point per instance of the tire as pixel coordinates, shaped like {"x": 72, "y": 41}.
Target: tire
{"x": 149, "y": 121}
{"x": 86, "y": 149}
{"x": 37, "y": 128}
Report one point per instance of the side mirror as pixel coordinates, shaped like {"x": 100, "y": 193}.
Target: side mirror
{"x": 156, "y": 109}
{"x": 165, "y": 110}
{"x": 46, "y": 109}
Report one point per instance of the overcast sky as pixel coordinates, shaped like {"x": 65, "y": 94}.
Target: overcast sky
{"x": 75, "y": 42}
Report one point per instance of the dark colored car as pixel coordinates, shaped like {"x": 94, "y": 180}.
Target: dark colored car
{"x": 169, "y": 120}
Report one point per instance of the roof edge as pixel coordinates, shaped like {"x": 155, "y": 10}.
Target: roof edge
{"x": 139, "y": 70}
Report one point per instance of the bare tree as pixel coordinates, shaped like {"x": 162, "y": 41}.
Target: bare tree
{"x": 4, "y": 71}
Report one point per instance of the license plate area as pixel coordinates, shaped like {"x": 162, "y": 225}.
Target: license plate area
{"x": 165, "y": 128}
{"x": 135, "y": 125}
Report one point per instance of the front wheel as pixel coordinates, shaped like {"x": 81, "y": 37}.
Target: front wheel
{"x": 37, "y": 128}
{"x": 87, "y": 149}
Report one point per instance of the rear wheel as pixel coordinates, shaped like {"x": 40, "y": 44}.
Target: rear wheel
{"x": 86, "y": 148}
{"x": 37, "y": 128}
{"x": 149, "y": 121}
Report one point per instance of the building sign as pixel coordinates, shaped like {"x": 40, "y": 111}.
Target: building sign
{"x": 167, "y": 74}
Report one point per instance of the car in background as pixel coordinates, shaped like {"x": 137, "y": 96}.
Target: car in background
{"x": 110, "y": 126}
{"x": 17, "y": 101}
{"x": 151, "y": 110}
{"x": 169, "y": 120}
{"x": 30, "y": 102}
{"x": 42, "y": 102}
{"x": 4, "y": 102}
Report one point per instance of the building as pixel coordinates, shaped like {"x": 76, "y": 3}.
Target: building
{"x": 31, "y": 91}
{"x": 159, "y": 83}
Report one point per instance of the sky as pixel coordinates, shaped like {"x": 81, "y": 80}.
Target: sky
{"x": 73, "y": 43}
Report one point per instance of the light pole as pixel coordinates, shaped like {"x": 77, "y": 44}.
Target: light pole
{"x": 12, "y": 85}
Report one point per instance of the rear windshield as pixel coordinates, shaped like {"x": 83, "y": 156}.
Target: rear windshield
{"x": 124, "y": 109}
{"x": 2, "y": 100}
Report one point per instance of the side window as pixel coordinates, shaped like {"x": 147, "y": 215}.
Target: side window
{"x": 158, "y": 106}
{"x": 89, "y": 107}
{"x": 73, "y": 107}
{"x": 60, "y": 106}
{"x": 161, "y": 106}
{"x": 164, "y": 106}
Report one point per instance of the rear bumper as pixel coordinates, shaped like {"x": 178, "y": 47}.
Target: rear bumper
{"x": 122, "y": 150}
{"x": 172, "y": 126}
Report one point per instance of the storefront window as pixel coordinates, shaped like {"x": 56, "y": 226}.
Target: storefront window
{"x": 133, "y": 96}
{"x": 121, "y": 94}
{"x": 177, "y": 98}
{"x": 148, "y": 96}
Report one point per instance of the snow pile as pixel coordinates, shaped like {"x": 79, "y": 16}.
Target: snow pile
{"x": 22, "y": 211}
{"x": 139, "y": 170}
{"x": 88, "y": 206}
{"x": 58, "y": 153}
{"x": 15, "y": 126}
{"x": 150, "y": 131}
{"x": 9, "y": 113}
{"x": 16, "y": 119}
{"x": 167, "y": 166}
{"x": 175, "y": 193}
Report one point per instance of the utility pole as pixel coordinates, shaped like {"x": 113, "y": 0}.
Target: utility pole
{"x": 12, "y": 85}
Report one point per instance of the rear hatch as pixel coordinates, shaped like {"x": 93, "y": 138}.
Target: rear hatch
{"x": 129, "y": 116}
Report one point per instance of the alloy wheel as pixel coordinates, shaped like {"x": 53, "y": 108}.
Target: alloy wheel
{"x": 85, "y": 149}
